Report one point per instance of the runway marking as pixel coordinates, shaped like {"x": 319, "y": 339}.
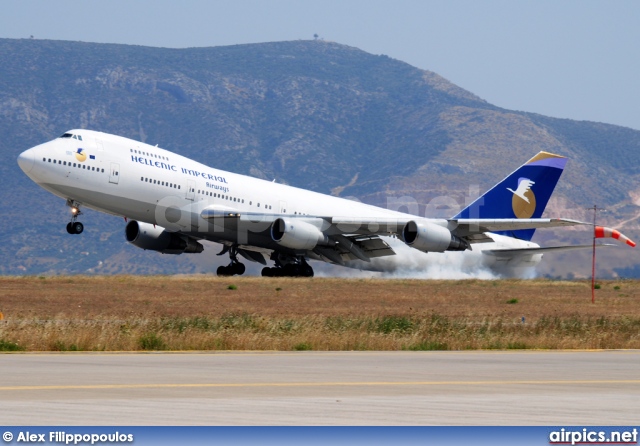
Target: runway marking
{"x": 317, "y": 384}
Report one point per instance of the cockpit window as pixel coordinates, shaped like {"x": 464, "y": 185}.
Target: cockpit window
{"x": 71, "y": 135}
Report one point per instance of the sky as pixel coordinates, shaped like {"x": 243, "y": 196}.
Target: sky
{"x": 576, "y": 59}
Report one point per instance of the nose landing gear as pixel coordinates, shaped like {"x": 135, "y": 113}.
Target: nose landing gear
{"x": 74, "y": 226}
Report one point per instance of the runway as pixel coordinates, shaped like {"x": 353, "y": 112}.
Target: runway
{"x": 322, "y": 388}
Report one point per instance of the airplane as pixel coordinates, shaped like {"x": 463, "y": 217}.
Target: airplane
{"x": 171, "y": 203}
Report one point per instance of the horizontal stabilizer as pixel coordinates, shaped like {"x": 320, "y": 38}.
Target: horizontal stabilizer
{"x": 474, "y": 228}
{"x": 536, "y": 250}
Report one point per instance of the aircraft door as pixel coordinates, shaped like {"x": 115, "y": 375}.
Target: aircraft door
{"x": 283, "y": 207}
{"x": 191, "y": 190}
{"x": 114, "y": 173}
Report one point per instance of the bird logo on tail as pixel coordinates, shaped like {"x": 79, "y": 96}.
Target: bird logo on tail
{"x": 524, "y": 200}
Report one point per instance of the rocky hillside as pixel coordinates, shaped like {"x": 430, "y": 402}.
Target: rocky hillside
{"x": 313, "y": 114}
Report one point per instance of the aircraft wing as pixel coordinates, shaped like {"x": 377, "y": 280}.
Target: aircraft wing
{"x": 472, "y": 230}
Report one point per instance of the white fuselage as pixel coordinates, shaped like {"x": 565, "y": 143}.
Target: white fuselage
{"x": 141, "y": 182}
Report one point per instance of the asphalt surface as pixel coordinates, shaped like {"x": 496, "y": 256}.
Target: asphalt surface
{"x": 322, "y": 388}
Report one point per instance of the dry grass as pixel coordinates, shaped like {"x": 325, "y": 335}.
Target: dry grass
{"x": 203, "y": 313}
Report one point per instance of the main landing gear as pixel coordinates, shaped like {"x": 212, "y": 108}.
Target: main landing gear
{"x": 235, "y": 268}
{"x": 74, "y": 226}
{"x": 288, "y": 267}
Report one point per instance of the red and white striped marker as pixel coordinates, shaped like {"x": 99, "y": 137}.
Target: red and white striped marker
{"x": 602, "y": 232}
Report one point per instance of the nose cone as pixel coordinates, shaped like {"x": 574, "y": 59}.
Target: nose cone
{"x": 26, "y": 160}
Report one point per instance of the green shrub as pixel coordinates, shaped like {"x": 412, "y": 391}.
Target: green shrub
{"x": 60, "y": 346}
{"x": 151, "y": 341}
{"x": 512, "y": 301}
{"x": 390, "y": 324}
{"x": 8, "y": 346}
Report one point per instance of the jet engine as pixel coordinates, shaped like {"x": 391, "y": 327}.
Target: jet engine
{"x": 156, "y": 238}
{"x": 297, "y": 234}
{"x": 428, "y": 237}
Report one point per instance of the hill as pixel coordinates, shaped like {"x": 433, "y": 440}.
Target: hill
{"x": 313, "y": 114}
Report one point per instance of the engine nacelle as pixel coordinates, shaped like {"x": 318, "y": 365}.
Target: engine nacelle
{"x": 296, "y": 234}
{"x": 429, "y": 237}
{"x": 156, "y": 238}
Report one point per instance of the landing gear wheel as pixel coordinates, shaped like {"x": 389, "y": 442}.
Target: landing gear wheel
{"x": 223, "y": 271}
{"x": 238, "y": 268}
{"x": 306, "y": 270}
{"x": 289, "y": 270}
{"x": 233, "y": 269}
{"x": 77, "y": 227}
{"x": 74, "y": 227}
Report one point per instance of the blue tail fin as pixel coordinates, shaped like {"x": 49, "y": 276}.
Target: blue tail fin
{"x": 523, "y": 194}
